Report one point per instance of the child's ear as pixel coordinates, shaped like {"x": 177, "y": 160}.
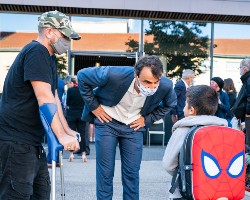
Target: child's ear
{"x": 192, "y": 111}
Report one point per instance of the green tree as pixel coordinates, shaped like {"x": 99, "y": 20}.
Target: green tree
{"x": 182, "y": 43}
{"x": 62, "y": 63}
{"x": 133, "y": 45}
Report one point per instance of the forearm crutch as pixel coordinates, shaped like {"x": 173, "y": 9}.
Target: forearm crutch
{"x": 47, "y": 112}
{"x": 62, "y": 175}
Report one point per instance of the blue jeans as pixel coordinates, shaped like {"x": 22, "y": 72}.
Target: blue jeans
{"x": 23, "y": 172}
{"x": 108, "y": 135}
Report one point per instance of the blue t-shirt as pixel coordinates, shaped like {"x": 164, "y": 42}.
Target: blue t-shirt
{"x": 19, "y": 111}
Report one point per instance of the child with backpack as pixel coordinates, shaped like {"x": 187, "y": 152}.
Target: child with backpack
{"x": 201, "y": 105}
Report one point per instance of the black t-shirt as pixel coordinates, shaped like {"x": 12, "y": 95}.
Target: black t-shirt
{"x": 19, "y": 110}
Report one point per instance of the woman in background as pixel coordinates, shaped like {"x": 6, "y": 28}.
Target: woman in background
{"x": 223, "y": 102}
{"x": 75, "y": 106}
{"x": 231, "y": 92}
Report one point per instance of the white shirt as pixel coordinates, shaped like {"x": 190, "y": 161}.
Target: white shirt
{"x": 129, "y": 108}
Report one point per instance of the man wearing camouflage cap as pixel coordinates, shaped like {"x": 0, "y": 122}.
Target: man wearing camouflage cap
{"x": 32, "y": 82}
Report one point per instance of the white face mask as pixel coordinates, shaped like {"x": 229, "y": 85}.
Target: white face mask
{"x": 145, "y": 90}
{"x": 61, "y": 46}
{"x": 241, "y": 73}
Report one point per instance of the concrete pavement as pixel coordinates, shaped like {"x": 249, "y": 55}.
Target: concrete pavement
{"x": 80, "y": 177}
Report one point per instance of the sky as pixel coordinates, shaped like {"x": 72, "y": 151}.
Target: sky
{"x": 28, "y": 23}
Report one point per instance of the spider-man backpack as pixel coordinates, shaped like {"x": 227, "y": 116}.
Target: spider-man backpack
{"x": 211, "y": 164}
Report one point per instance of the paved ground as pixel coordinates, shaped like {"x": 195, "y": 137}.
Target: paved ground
{"x": 80, "y": 177}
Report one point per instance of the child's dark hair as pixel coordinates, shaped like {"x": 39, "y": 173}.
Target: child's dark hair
{"x": 203, "y": 98}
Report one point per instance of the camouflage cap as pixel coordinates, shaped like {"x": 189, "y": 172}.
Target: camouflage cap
{"x": 58, "y": 20}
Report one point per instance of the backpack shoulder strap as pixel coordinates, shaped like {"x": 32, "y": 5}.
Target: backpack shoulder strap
{"x": 175, "y": 181}
{"x": 179, "y": 173}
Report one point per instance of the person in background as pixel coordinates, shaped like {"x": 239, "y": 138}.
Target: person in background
{"x": 180, "y": 89}
{"x": 32, "y": 82}
{"x": 231, "y": 92}
{"x": 241, "y": 110}
{"x": 75, "y": 106}
{"x": 223, "y": 108}
{"x": 60, "y": 89}
{"x": 125, "y": 102}
{"x": 201, "y": 105}
{"x": 243, "y": 99}
{"x": 67, "y": 84}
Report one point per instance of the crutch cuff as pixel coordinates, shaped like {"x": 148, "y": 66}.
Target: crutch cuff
{"x": 47, "y": 112}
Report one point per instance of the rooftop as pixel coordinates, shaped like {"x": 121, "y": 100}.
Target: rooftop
{"x": 116, "y": 42}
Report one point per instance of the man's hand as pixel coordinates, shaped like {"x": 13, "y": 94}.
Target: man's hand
{"x": 247, "y": 115}
{"x": 138, "y": 123}
{"x": 174, "y": 118}
{"x": 69, "y": 142}
{"x": 74, "y": 134}
{"x": 101, "y": 115}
